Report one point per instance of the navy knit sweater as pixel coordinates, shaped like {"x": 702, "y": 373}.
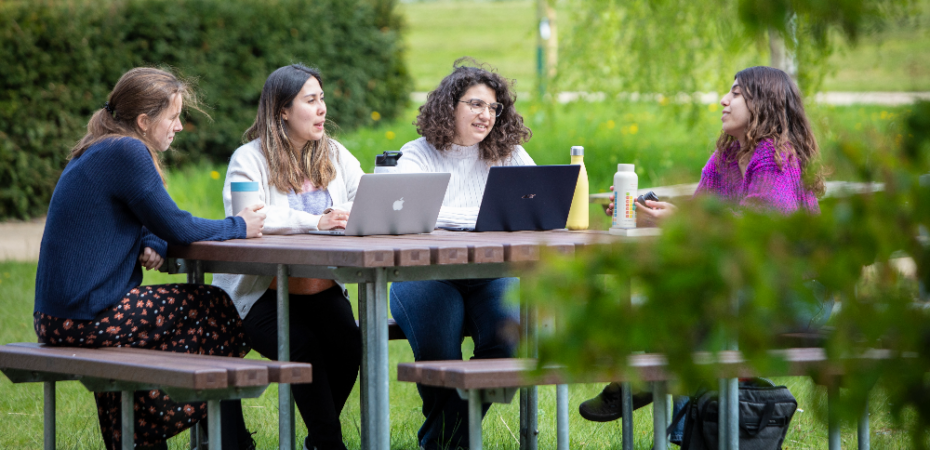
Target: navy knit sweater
{"x": 108, "y": 206}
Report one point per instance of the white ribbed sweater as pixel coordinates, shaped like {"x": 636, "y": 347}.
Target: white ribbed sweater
{"x": 469, "y": 176}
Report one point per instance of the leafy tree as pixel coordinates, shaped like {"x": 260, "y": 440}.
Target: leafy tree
{"x": 673, "y": 46}
{"x": 716, "y": 273}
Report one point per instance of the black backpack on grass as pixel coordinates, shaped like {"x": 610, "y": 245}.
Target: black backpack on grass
{"x": 765, "y": 411}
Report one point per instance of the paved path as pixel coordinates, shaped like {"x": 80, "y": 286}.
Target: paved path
{"x": 20, "y": 241}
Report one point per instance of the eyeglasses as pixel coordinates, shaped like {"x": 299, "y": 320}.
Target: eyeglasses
{"x": 478, "y": 106}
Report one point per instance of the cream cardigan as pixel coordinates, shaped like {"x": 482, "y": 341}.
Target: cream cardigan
{"x": 248, "y": 164}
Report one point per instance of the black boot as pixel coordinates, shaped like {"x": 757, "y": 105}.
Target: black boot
{"x": 608, "y": 405}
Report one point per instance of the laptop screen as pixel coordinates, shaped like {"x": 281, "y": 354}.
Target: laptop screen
{"x": 518, "y": 198}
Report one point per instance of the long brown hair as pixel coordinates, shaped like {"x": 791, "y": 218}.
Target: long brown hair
{"x": 436, "y": 121}
{"x": 776, "y": 113}
{"x": 143, "y": 90}
{"x": 287, "y": 168}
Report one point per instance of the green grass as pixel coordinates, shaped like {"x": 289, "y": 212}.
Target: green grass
{"x": 498, "y": 33}
{"x": 660, "y": 140}
{"x": 662, "y": 144}
{"x": 21, "y": 405}
{"x": 894, "y": 59}
{"x": 502, "y": 34}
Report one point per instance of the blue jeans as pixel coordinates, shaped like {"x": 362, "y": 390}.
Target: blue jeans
{"x": 434, "y": 315}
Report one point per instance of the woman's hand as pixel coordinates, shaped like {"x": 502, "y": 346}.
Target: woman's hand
{"x": 610, "y": 207}
{"x": 150, "y": 259}
{"x": 254, "y": 220}
{"x": 332, "y": 219}
{"x": 653, "y": 213}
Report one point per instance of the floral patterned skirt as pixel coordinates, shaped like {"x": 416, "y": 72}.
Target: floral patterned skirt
{"x": 180, "y": 318}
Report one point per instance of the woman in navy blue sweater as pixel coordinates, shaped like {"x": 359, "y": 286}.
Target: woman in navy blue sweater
{"x": 110, "y": 215}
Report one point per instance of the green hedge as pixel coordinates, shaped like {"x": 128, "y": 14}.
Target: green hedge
{"x": 58, "y": 61}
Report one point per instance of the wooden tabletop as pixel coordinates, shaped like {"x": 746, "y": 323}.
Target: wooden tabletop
{"x": 438, "y": 247}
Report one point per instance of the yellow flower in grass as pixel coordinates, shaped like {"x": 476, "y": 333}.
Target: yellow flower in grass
{"x": 634, "y": 129}
{"x": 215, "y": 175}
{"x": 376, "y": 116}
{"x": 390, "y": 135}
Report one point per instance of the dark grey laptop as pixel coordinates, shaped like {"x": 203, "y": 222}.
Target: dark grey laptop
{"x": 518, "y": 198}
{"x": 395, "y": 203}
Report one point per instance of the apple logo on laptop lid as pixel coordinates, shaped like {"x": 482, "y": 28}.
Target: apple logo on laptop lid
{"x": 399, "y": 204}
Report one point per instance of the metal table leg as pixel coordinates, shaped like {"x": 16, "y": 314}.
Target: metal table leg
{"x": 561, "y": 406}
{"x": 195, "y": 276}
{"x": 833, "y": 422}
{"x": 128, "y": 430}
{"x": 474, "y": 419}
{"x": 733, "y": 414}
{"x": 529, "y": 396}
{"x": 381, "y": 379}
{"x": 722, "y": 415}
{"x": 214, "y": 424}
{"x": 285, "y": 401}
{"x": 626, "y": 401}
{"x": 375, "y": 392}
{"x": 195, "y": 437}
{"x": 49, "y": 432}
{"x": 864, "y": 439}
{"x": 659, "y": 413}
{"x": 365, "y": 395}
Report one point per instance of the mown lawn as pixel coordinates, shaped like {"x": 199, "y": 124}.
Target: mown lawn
{"x": 666, "y": 150}
{"x": 667, "y": 145}
{"x": 21, "y": 405}
{"x": 502, "y": 34}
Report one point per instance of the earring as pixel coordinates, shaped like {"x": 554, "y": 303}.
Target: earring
{"x": 143, "y": 134}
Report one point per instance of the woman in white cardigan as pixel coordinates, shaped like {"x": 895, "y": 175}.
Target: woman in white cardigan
{"x": 307, "y": 181}
{"x": 468, "y": 124}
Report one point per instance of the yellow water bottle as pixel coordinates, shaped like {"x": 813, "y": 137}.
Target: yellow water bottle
{"x": 578, "y": 215}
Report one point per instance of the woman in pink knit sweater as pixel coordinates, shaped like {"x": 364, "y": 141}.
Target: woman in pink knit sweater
{"x": 765, "y": 146}
{"x": 764, "y": 149}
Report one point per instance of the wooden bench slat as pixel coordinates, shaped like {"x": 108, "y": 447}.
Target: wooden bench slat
{"x": 277, "y": 372}
{"x": 92, "y": 363}
{"x": 503, "y": 373}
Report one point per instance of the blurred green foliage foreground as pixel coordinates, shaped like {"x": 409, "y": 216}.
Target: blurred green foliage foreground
{"x": 716, "y": 273}
{"x": 60, "y": 60}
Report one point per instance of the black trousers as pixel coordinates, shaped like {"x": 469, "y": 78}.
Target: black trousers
{"x": 324, "y": 334}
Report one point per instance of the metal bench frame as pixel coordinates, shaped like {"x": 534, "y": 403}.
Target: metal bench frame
{"x": 650, "y": 367}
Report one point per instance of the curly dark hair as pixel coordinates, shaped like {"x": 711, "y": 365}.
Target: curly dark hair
{"x": 436, "y": 121}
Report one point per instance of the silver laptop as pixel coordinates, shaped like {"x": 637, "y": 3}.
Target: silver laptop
{"x": 395, "y": 203}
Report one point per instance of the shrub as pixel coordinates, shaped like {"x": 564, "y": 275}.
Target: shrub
{"x": 60, "y": 59}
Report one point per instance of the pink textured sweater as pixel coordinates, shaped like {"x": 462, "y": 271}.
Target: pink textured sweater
{"x": 764, "y": 186}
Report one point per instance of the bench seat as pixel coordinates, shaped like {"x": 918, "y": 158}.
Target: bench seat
{"x": 185, "y": 377}
{"x": 496, "y": 380}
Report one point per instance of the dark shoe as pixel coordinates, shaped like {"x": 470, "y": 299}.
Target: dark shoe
{"x": 608, "y": 405}
{"x": 250, "y": 444}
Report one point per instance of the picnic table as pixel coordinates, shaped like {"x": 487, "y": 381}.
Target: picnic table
{"x": 372, "y": 262}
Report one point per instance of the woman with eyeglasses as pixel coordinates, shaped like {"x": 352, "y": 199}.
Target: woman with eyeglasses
{"x": 468, "y": 124}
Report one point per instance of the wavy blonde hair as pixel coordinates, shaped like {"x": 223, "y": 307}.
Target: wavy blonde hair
{"x": 143, "y": 90}
{"x": 289, "y": 168}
